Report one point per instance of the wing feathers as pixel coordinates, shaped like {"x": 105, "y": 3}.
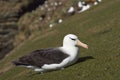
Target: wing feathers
{"x": 44, "y": 56}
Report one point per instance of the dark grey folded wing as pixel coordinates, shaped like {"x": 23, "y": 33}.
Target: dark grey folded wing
{"x": 40, "y": 57}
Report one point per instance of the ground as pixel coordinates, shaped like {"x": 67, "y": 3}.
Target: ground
{"x": 98, "y": 27}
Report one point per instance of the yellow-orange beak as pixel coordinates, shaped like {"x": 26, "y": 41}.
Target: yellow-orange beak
{"x": 79, "y": 43}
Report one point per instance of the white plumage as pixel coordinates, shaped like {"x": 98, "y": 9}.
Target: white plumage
{"x": 60, "y": 21}
{"x": 68, "y": 53}
{"x": 99, "y": 0}
{"x": 84, "y": 8}
{"x": 95, "y": 3}
{"x": 69, "y": 47}
{"x": 71, "y": 10}
{"x": 80, "y": 4}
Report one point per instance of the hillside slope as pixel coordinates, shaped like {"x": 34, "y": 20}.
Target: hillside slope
{"x": 98, "y": 27}
{"x": 11, "y": 11}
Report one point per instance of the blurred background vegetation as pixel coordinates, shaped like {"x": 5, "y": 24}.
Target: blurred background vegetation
{"x": 20, "y": 19}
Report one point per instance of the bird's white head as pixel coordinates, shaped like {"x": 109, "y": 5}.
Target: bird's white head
{"x": 73, "y": 41}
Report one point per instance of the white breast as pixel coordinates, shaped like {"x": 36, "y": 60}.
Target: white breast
{"x": 73, "y": 52}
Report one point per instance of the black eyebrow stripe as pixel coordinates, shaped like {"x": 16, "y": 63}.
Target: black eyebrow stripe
{"x": 72, "y": 39}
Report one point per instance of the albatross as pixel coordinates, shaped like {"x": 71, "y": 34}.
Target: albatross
{"x": 53, "y": 58}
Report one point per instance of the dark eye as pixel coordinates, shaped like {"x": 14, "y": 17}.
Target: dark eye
{"x": 73, "y": 39}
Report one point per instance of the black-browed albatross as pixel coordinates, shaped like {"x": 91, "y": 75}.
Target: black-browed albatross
{"x": 53, "y": 58}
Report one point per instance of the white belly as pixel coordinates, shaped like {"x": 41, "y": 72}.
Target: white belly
{"x": 56, "y": 66}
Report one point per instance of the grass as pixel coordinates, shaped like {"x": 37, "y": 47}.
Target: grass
{"x": 98, "y": 27}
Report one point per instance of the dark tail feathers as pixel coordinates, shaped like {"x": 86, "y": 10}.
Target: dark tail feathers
{"x": 17, "y": 63}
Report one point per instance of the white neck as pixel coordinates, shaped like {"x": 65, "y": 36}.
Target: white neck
{"x": 73, "y": 52}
